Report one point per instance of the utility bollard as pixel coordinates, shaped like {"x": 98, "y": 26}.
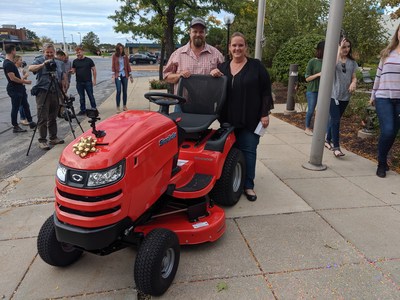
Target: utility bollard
{"x": 293, "y": 75}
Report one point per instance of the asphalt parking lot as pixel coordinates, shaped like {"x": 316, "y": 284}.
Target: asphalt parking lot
{"x": 13, "y": 147}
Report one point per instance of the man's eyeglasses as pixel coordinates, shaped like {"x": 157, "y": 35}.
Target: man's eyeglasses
{"x": 343, "y": 67}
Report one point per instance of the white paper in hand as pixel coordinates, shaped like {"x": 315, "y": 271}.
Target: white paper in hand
{"x": 260, "y": 130}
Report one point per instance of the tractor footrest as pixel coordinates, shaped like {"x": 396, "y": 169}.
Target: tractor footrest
{"x": 198, "y": 182}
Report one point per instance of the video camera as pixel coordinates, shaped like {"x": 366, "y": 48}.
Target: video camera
{"x": 65, "y": 111}
{"x": 51, "y": 65}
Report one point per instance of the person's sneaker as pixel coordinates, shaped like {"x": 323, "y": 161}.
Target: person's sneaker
{"x": 17, "y": 129}
{"x": 308, "y": 131}
{"x": 44, "y": 146}
{"x": 32, "y": 125}
{"x": 24, "y": 122}
{"x": 125, "y": 108}
{"x": 381, "y": 170}
{"x": 81, "y": 113}
{"x": 118, "y": 109}
{"x": 56, "y": 141}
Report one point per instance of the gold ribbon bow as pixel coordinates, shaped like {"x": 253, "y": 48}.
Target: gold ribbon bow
{"x": 85, "y": 146}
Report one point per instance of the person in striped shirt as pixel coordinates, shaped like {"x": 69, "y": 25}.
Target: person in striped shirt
{"x": 386, "y": 98}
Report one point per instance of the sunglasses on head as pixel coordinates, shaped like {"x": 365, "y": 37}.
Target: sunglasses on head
{"x": 343, "y": 67}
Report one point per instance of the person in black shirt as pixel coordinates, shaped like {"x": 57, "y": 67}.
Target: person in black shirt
{"x": 84, "y": 67}
{"x": 16, "y": 90}
{"x": 248, "y": 104}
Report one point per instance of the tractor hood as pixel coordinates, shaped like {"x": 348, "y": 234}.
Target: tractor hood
{"x": 126, "y": 133}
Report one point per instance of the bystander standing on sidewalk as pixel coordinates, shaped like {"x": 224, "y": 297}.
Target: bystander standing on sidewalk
{"x": 345, "y": 83}
{"x": 85, "y": 70}
{"x": 121, "y": 71}
{"x": 313, "y": 75}
{"x": 16, "y": 89}
{"x": 386, "y": 98}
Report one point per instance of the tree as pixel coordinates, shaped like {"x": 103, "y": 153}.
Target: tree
{"x": 162, "y": 20}
{"x": 392, "y": 4}
{"x": 30, "y": 35}
{"x": 44, "y": 39}
{"x": 91, "y": 42}
{"x": 362, "y": 25}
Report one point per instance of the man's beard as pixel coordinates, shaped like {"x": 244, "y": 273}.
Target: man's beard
{"x": 198, "y": 42}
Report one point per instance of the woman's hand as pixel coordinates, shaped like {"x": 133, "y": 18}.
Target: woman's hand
{"x": 265, "y": 121}
{"x": 372, "y": 102}
{"x": 216, "y": 73}
{"x": 352, "y": 87}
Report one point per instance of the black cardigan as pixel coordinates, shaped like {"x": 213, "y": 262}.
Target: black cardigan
{"x": 255, "y": 94}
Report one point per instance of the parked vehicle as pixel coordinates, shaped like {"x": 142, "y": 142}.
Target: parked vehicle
{"x": 141, "y": 59}
{"x": 1, "y": 62}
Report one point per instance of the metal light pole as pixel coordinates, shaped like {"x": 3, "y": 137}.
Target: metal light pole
{"x": 80, "y": 39}
{"x": 260, "y": 29}
{"x": 325, "y": 87}
{"x": 62, "y": 25}
{"x": 228, "y": 19}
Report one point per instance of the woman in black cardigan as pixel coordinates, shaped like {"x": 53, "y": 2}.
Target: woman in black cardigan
{"x": 249, "y": 102}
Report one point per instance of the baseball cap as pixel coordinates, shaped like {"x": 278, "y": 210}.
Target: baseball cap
{"x": 198, "y": 21}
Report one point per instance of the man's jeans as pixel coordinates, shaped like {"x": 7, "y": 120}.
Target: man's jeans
{"x": 311, "y": 104}
{"x": 121, "y": 81}
{"x": 335, "y": 114}
{"x": 388, "y": 111}
{"x": 81, "y": 87}
{"x": 19, "y": 99}
{"x": 247, "y": 142}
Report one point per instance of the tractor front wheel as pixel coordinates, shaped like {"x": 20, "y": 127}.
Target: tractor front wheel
{"x": 51, "y": 250}
{"x": 229, "y": 186}
{"x": 157, "y": 262}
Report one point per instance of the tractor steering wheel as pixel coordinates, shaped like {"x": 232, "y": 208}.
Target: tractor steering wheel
{"x": 164, "y": 100}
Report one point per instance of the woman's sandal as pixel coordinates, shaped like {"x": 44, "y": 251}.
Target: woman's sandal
{"x": 328, "y": 145}
{"x": 338, "y": 153}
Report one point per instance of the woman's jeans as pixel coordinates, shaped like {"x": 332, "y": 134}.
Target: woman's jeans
{"x": 18, "y": 99}
{"x": 247, "y": 142}
{"x": 335, "y": 114}
{"x": 81, "y": 87}
{"x": 121, "y": 81}
{"x": 388, "y": 111}
{"x": 311, "y": 104}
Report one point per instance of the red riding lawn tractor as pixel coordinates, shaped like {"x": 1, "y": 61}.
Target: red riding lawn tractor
{"x": 147, "y": 179}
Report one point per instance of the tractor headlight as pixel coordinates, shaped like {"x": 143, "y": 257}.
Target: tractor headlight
{"x": 61, "y": 173}
{"x": 106, "y": 177}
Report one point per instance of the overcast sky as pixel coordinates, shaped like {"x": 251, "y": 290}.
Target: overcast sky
{"x": 44, "y": 18}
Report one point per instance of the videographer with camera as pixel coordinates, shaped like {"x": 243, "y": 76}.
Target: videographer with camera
{"x": 49, "y": 81}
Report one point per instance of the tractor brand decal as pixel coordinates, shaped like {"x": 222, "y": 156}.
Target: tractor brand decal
{"x": 167, "y": 139}
{"x": 199, "y": 225}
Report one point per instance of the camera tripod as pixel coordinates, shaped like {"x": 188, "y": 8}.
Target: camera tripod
{"x": 66, "y": 105}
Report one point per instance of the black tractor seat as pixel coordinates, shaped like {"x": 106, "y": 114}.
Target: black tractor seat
{"x": 205, "y": 96}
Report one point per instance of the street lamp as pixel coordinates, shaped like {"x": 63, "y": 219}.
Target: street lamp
{"x": 62, "y": 25}
{"x": 80, "y": 39}
{"x": 228, "y": 19}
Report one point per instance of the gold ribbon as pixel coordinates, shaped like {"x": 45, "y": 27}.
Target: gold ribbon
{"x": 85, "y": 146}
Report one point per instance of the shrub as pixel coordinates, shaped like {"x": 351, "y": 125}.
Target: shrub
{"x": 298, "y": 50}
{"x": 158, "y": 84}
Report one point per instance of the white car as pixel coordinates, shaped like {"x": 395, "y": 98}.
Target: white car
{"x": 1, "y": 62}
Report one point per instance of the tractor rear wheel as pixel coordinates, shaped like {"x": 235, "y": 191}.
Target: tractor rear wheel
{"x": 51, "y": 250}
{"x": 229, "y": 186}
{"x": 157, "y": 262}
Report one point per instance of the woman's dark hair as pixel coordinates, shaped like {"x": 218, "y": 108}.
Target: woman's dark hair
{"x": 319, "y": 51}
{"x": 350, "y": 54}
{"x": 117, "y": 50}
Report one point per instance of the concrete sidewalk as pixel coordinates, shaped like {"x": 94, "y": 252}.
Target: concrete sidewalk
{"x": 331, "y": 234}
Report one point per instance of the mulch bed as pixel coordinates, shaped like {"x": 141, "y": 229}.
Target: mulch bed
{"x": 349, "y": 127}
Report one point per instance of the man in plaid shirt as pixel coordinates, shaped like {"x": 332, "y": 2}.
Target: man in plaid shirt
{"x": 196, "y": 57}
